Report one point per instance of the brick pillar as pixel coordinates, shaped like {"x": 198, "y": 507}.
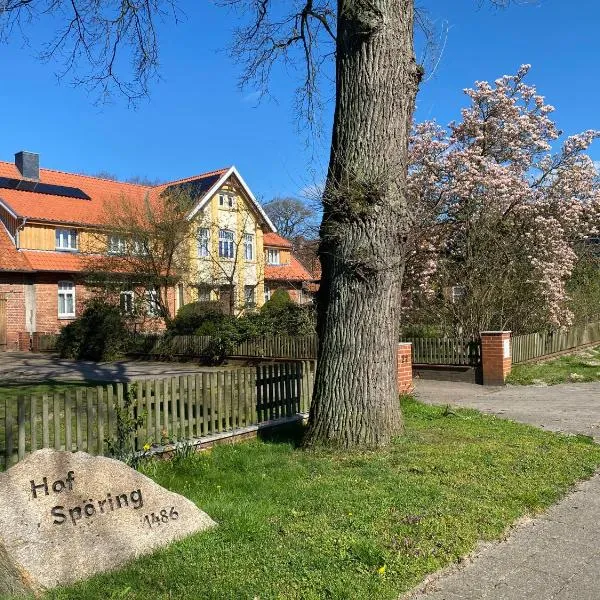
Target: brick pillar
{"x": 24, "y": 341}
{"x": 496, "y": 359}
{"x": 404, "y": 366}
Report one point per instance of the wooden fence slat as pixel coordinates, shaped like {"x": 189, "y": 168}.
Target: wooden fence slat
{"x": 68, "y": 420}
{"x": 174, "y": 416}
{"x": 33, "y": 430}
{"x": 190, "y": 405}
{"x": 8, "y": 424}
{"x": 182, "y": 392}
{"x": 166, "y": 401}
{"x": 78, "y": 419}
{"x": 100, "y": 395}
{"x": 56, "y": 420}
{"x": 21, "y": 426}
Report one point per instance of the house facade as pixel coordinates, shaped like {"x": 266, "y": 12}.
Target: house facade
{"x": 52, "y": 222}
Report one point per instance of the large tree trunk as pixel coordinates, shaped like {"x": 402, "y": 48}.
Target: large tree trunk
{"x": 364, "y": 227}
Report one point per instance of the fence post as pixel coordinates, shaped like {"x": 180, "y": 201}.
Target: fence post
{"x": 404, "y": 367}
{"x": 496, "y": 358}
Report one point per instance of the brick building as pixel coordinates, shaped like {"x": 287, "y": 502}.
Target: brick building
{"x": 48, "y": 219}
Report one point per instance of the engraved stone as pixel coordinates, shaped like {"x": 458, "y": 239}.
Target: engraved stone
{"x": 66, "y": 516}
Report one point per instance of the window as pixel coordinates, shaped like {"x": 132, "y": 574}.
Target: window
{"x": 458, "y": 292}
{"x": 203, "y": 293}
{"x": 126, "y": 302}
{"x": 226, "y": 200}
{"x": 138, "y": 247}
{"x": 203, "y": 239}
{"x": 249, "y": 296}
{"x": 66, "y": 299}
{"x": 116, "y": 244}
{"x": 152, "y": 307}
{"x": 248, "y": 246}
{"x": 225, "y": 243}
{"x": 180, "y": 296}
{"x": 272, "y": 256}
{"x": 66, "y": 239}
{"x": 268, "y": 293}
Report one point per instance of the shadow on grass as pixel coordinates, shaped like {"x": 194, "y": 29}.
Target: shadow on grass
{"x": 291, "y": 433}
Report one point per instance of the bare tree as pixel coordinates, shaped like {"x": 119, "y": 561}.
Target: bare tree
{"x": 292, "y": 217}
{"x": 221, "y": 269}
{"x": 143, "y": 247}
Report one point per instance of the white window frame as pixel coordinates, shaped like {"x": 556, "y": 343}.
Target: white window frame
{"x": 249, "y": 296}
{"x": 273, "y": 256}
{"x": 137, "y": 248}
{"x": 203, "y": 235}
{"x": 248, "y": 246}
{"x": 117, "y": 244}
{"x": 226, "y": 200}
{"x": 226, "y": 237}
{"x": 204, "y": 293}
{"x": 127, "y": 305}
{"x": 268, "y": 292}
{"x": 152, "y": 309}
{"x": 66, "y": 239}
{"x": 66, "y": 289}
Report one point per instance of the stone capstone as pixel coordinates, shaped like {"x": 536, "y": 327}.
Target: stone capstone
{"x": 66, "y": 516}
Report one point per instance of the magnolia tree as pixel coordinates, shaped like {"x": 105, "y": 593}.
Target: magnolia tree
{"x": 498, "y": 205}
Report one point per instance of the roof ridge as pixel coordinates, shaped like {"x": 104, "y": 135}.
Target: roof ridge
{"x": 86, "y": 176}
{"x": 192, "y": 177}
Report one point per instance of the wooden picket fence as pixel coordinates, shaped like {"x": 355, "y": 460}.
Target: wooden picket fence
{"x": 173, "y": 409}
{"x": 537, "y": 345}
{"x": 196, "y": 346}
{"x": 445, "y": 351}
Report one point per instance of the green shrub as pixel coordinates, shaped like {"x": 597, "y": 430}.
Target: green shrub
{"x": 282, "y": 316}
{"x": 99, "y": 334}
{"x": 191, "y": 317}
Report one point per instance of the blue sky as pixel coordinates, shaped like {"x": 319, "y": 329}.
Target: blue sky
{"x": 198, "y": 120}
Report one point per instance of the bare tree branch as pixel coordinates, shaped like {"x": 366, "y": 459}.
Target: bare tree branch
{"x": 105, "y": 46}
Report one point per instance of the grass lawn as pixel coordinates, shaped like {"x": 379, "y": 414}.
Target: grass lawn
{"x": 317, "y": 525}
{"x": 12, "y": 389}
{"x": 579, "y": 367}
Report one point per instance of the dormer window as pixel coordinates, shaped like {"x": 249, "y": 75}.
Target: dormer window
{"x": 66, "y": 239}
{"x": 117, "y": 244}
{"x": 226, "y": 200}
{"x": 272, "y": 256}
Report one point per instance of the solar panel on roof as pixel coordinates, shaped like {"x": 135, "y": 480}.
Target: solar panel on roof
{"x": 24, "y": 185}
{"x": 195, "y": 188}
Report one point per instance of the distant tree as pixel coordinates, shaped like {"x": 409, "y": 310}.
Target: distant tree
{"x": 292, "y": 217}
{"x": 136, "y": 179}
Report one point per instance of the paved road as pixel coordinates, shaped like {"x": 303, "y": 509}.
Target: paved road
{"x": 24, "y": 366}
{"x": 553, "y": 557}
{"x": 569, "y": 407}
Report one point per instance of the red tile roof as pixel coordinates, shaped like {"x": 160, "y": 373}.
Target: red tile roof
{"x": 274, "y": 239}
{"x": 10, "y": 258}
{"x": 60, "y": 209}
{"x": 65, "y": 262}
{"x": 294, "y": 271}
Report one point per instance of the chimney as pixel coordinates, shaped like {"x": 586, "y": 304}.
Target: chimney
{"x": 29, "y": 164}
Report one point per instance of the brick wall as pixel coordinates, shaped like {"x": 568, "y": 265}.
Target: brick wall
{"x": 12, "y": 287}
{"x": 404, "y": 368}
{"x": 496, "y": 360}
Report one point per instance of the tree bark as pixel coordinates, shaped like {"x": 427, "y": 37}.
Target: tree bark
{"x": 363, "y": 232}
